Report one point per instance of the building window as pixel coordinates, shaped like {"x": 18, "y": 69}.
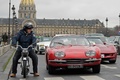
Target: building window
{"x": 25, "y": 15}
{"x": 25, "y": 8}
{"x": 33, "y": 15}
{"x": 29, "y": 16}
{"x": 21, "y": 15}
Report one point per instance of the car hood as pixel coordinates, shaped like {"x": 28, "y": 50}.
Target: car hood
{"x": 44, "y": 43}
{"x": 106, "y": 48}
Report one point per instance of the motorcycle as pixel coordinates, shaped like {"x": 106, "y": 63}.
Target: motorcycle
{"x": 24, "y": 64}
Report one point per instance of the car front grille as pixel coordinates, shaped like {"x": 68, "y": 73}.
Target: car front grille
{"x": 74, "y": 61}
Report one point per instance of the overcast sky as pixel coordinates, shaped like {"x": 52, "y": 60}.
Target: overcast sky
{"x": 72, "y": 9}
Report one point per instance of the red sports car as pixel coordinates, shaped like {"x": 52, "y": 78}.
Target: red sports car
{"x": 108, "y": 51}
{"x": 71, "y": 52}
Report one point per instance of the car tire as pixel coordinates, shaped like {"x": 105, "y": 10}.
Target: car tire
{"x": 96, "y": 69}
{"x": 112, "y": 61}
{"x": 40, "y": 52}
{"x": 46, "y": 67}
{"x": 36, "y": 51}
{"x": 51, "y": 69}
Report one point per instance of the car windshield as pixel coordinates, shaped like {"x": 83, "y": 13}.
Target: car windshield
{"x": 96, "y": 41}
{"x": 45, "y": 39}
{"x": 112, "y": 38}
{"x": 69, "y": 40}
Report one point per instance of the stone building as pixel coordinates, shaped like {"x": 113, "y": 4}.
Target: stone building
{"x": 48, "y": 27}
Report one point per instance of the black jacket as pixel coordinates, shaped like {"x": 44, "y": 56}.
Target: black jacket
{"x": 24, "y": 39}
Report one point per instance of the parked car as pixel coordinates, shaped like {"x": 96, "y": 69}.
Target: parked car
{"x": 43, "y": 43}
{"x": 108, "y": 51}
{"x": 71, "y": 52}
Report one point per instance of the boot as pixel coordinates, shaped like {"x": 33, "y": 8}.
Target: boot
{"x": 12, "y": 75}
{"x": 36, "y": 74}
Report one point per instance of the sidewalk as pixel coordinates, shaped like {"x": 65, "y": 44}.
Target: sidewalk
{"x": 4, "y": 59}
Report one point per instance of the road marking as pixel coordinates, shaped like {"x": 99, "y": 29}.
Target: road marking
{"x": 22, "y": 79}
{"x": 109, "y": 67}
{"x": 117, "y": 75}
{"x": 54, "y": 78}
{"x": 92, "y": 78}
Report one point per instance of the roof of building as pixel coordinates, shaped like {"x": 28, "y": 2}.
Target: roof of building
{"x": 27, "y": 2}
{"x": 56, "y": 22}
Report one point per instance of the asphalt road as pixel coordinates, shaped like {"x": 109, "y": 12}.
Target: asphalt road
{"x": 108, "y": 72}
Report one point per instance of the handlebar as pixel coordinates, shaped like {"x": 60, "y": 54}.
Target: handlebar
{"x": 28, "y": 46}
{"x": 22, "y": 47}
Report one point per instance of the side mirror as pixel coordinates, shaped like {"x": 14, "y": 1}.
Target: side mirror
{"x": 116, "y": 42}
{"x": 37, "y": 41}
{"x": 105, "y": 43}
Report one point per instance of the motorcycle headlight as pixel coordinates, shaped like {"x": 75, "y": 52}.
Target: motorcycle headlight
{"x": 59, "y": 54}
{"x": 25, "y": 51}
{"x": 90, "y": 53}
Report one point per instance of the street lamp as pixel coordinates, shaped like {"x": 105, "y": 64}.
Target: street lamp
{"x": 9, "y": 21}
{"x": 119, "y": 20}
{"x": 14, "y": 15}
{"x": 16, "y": 27}
{"x": 106, "y": 25}
{"x": 16, "y": 23}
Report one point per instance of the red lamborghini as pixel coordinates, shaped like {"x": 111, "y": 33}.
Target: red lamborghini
{"x": 71, "y": 52}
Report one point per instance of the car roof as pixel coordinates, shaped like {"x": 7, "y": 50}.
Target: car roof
{"x": 70, "y": 35}
{"x": 64, "y": 34}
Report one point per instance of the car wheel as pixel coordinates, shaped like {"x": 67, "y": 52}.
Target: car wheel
{"x": 40, "y": 52}
{"x": 36, "y": 51}
{"x": 51, "y": 69}
{"x": 96, "y": 69}
{"x": 112, "y": 61}
{"x": 46, "y": 67}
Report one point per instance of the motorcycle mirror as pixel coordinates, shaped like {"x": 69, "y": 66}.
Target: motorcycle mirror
{"x": 37, "y": 41}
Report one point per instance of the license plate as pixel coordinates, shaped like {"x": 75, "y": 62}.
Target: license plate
{"x": 41, "y": 45}
{"x": 75, "y": 66}
{"x": 102, "y": 55}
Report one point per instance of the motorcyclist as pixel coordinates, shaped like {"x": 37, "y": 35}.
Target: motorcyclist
{"x": 24, "y": 37}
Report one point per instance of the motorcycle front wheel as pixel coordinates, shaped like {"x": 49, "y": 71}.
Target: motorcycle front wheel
{"x": 24, "y": 69}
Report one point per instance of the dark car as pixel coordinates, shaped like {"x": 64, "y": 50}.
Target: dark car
{"x": 116, "y": 41}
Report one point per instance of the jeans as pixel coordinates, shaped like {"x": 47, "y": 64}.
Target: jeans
{"x": 17, "y": 56}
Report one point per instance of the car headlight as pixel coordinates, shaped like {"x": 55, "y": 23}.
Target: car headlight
{"x": 59, "y": 54}
{"x": 90, "y": 53}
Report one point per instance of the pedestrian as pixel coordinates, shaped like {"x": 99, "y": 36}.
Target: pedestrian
{"x": 25, "y": 37}
{"x": 5, "y": 39}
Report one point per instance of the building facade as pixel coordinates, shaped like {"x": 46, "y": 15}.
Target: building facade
{"x": 48, "y": 27}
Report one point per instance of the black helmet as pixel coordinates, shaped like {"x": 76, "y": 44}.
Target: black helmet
{"x": 28, "y": 26}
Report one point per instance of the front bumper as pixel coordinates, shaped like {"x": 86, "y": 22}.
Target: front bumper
{"x": 42, "y": 49}
{"x": 108, "y": 56}
{"x": 85, "y": 62}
